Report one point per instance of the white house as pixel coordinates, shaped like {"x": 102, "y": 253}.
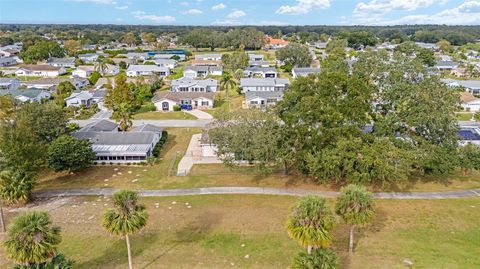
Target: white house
{"x": 83, "y": 71}
{"x": 470, "y": 102}
{"x": 255, "y": 57}
{"x": 264, "y": 84}
{"x": 62, "y": 62}
{"x": 89, "y": 58}
{"x": 472, "y": 86}
{"x": 262, "y": 72}
{"x": 28, "y": 95}
{"x": 194, "y": 85}
{"x": 9, "y": 83}
{"x": 209, "y": 57}
{"x": 305, "y": 71}
{"x": 202, "y": 71}
{"x": 166, "y": 101}
{"x": 86, "y": 98}
{"x": 147, "y": 70}
{"x": 258, "y": 99}
{"x": 41, "y": 70}
{"x": 170, "y": 63}
{"x": 259, "y": 63}
{"x": 446, "y": 65}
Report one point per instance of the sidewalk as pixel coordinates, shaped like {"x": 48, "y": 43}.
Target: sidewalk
{"x": 194, "y": 155}
{"x": 201, "y": 115}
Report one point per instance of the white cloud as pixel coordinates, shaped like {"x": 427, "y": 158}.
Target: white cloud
{"x": 219, "y": 6}
{"x": 184, "y": 3}
{"x": 226, "y": 22}
{"x": 385, "y": 6}
{"x": 236, "y": 14}
{"x": 466, "y": 13}
{"x": 121, "y": 7}
{"x": 141, "y": 15}
{"x": 303, "y": 6}
{"x": 103, "y": 2}
{"x": 193, "y": 11}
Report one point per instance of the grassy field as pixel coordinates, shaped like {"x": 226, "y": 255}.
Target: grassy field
{"x": 159, "y": 115}
{"x": 464, "y": 116}
{"x": 220, "y": 231}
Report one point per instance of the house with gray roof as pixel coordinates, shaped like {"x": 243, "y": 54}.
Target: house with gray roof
{"x": 7, "y": 61}
{"x": 258, "y": 63}
{"x": 9, "y": 83}
{"x": 194, "y": 85}
{"x": 255, "y": 57}
{"x": 62, "y": 62}
{"x": 89, "y": 58}
{"x": 472, "y": 86}
{"x": 112, "y": 146}
{"x": 86, "y": 98}
{"x": 28, "y": 95}
{"x": 304, "y": 71}
{"x": 48, "y": 83}
{"x": 258, "y": 99}
{"x": 262, "y": 72}
{"x": 446, "y": 65}
{"x": 209, "y": 57}
{"x": 170, "y": 63}
{"x": 166, "y": 101}
{"x": 201, "y": 71}
{"x": 147, "y": 70}
{"x": 264, "y": 84}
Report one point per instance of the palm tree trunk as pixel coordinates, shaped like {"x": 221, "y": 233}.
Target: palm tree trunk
{"x": 309, "y": 250}
{"x": 350, "y": 245}
{"x": 2, "y": 220}
{"x": 129, "y": 251}
{"x": 226, "y": 96}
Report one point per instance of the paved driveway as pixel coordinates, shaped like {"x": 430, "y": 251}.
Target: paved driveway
{"x": 201, "y": 115}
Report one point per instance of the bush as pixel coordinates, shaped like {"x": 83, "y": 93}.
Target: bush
{"x": 94, "y": 77}
{"x": 147, "y": 107}
{"x": 319, "y": 259}
{"x": 159, "y": 145}
{"x": 176, "y": 108}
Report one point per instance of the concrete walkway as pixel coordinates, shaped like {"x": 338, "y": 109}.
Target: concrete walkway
{"x": 201, "y": 115}
{"x": 257, "y": 190}
{"x": 194, "y": 155}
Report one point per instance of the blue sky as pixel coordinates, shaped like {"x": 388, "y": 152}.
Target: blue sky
{"x": 242, "y": 12}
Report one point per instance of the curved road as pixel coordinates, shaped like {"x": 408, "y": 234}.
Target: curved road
{"x": 256, "y": 190}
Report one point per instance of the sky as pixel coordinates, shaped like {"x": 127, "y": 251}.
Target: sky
{"x": 242, "y": 12}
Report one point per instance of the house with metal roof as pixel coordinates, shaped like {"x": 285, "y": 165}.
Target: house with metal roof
{"x": 262, "y": 99}
{"x": 40, "y": 70}
{"x": 170, "y": 63}
{"x": 209, "y": 57}
{"x": 202, "y": 71}
{"x": 89, "y": 58}
{"x": 28, "y": 95}
{"x": 147, "y": 70}
{"x": 112, "y": 146}
{"x": 7, "y": 61}
{"x": 304, "y": 71}
{"x": 194, "y": 85}
{"x": 258, "y": 63}
{"x": 9, "y": 83}
{"x": 262, "y": 72}
{"x": 255, "y": 57}
{"x": 86, "y": 98}
{"x": 166, "y": 101}
{"x": 472, "y": 86}
{"x": 48, "y": 83}
{"x": 446, "y": 65}
{"x": 264, "y": 84}
{"x": 469, "y": 135}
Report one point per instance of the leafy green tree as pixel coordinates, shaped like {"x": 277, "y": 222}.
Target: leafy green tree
{"x": 356, "y": 207}
{"x": 122, "y": 65}
{"x": 311, "y": 222}
{"x": 128, "y": 217}
{"x": 7, "y": 107}
{"x": 94, "y": 77}
{"x": 32, "y": 239}
{"x": 444, "y": 46}
{"x": 426, "y": 56}
{"x": 122, "y": 101}
{"x": 58, "y": 262}
{"x": 69, "y": 153}
{"x": 360, "y": 39}
{"x": 469, "y": 158}
{"x": 234, "y": 61}
{"x": 295, "y": 54}
{"x": 72, "y": 46}
{"x": 16, "y": 186}
{"x": 319, "y": 258}
{"x": 42, "y": 50}
{"x": 101, "y": 66}
{"x": 63, "y": 90}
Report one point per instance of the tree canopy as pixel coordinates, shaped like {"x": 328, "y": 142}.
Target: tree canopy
{"x": 42, "y": 50}
{"x": 69, "y": 153}
{"x": 295, "y": 54}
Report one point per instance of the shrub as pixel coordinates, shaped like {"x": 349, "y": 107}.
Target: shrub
{"x": 176, "y": 108}
{"x": 159, "y": 145}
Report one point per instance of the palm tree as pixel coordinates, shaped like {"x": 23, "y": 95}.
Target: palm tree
{"x": 32, "y": 239}
{"x": 356, "y": 207}
{"x": 227, "y": 83}
{"x": 128, "y": 217}
{"x": 101, "y": 66}
{"x": 15, "y": 186}
{"x": 318, "y": 259}
{"x": 2, "y": 218}
{"x": 311, "y": 222}
{"x": 124, "y": 114}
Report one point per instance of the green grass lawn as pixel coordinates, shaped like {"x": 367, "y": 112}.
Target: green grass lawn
{"x": 464, "y": 116}
{"x": 160, "y": 115}
{"x": 219, "y": 231}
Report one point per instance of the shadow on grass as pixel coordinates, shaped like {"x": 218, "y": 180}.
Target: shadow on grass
{"x": 116, "y": 254}
{"x": 194, "y": 231}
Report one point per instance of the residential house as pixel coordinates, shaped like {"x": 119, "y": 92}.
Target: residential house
{"x": 446, "y": 65}
{"x": 117, "y": 61}
{"x": 257, "y": 99}
{"x": 48, "y": 83}
{"x": 62, "y": 62}
{"x": 209, "y": 57}
{"x": 264, "y": 84}
{"x": 110, "y": 70}
{"x": 431, "y": 46}
{"x": 206, "y": 63}
{"x": 7, "y": 61}
{"x": 89, "y": 58}
{"x": 263, "y": 72}
{"x": 304, "y": 71}
{"x": 83, "y": 71}
{"x": 9, "y": 83}
{"x": 469, "y": 135}
{"x": 120, "y": 147}
{"x": 136, "y": 56}
{"x": 166, "y": 101}
{"x": 274, "y": 43}
{"x": 40, "y": 70}
{"x": 170, "y": 63}
{"x": 255, "y": 57}
{"x": 259, "y": 63}
{"x": 319, "y": 45}
{"x": 28, "y": 95}
{"x": 472, "y": 86}
{"x": 86, "y": 98}
{"x": 181, "y": 57}
{"x": 194, "y": 85}
{"x": 147, "y": 70}
{"x": 202, "y": 71}
{"x": 459, "y": 72}
{"x": 469, "y": 102}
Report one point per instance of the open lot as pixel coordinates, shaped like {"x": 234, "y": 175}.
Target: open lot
{"x": 218, "y": 231}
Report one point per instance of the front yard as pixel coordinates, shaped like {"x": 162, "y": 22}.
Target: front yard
{"x": 159, "y": 115}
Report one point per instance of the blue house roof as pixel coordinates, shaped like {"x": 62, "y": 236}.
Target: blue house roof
{"x": 469, "y": 134}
